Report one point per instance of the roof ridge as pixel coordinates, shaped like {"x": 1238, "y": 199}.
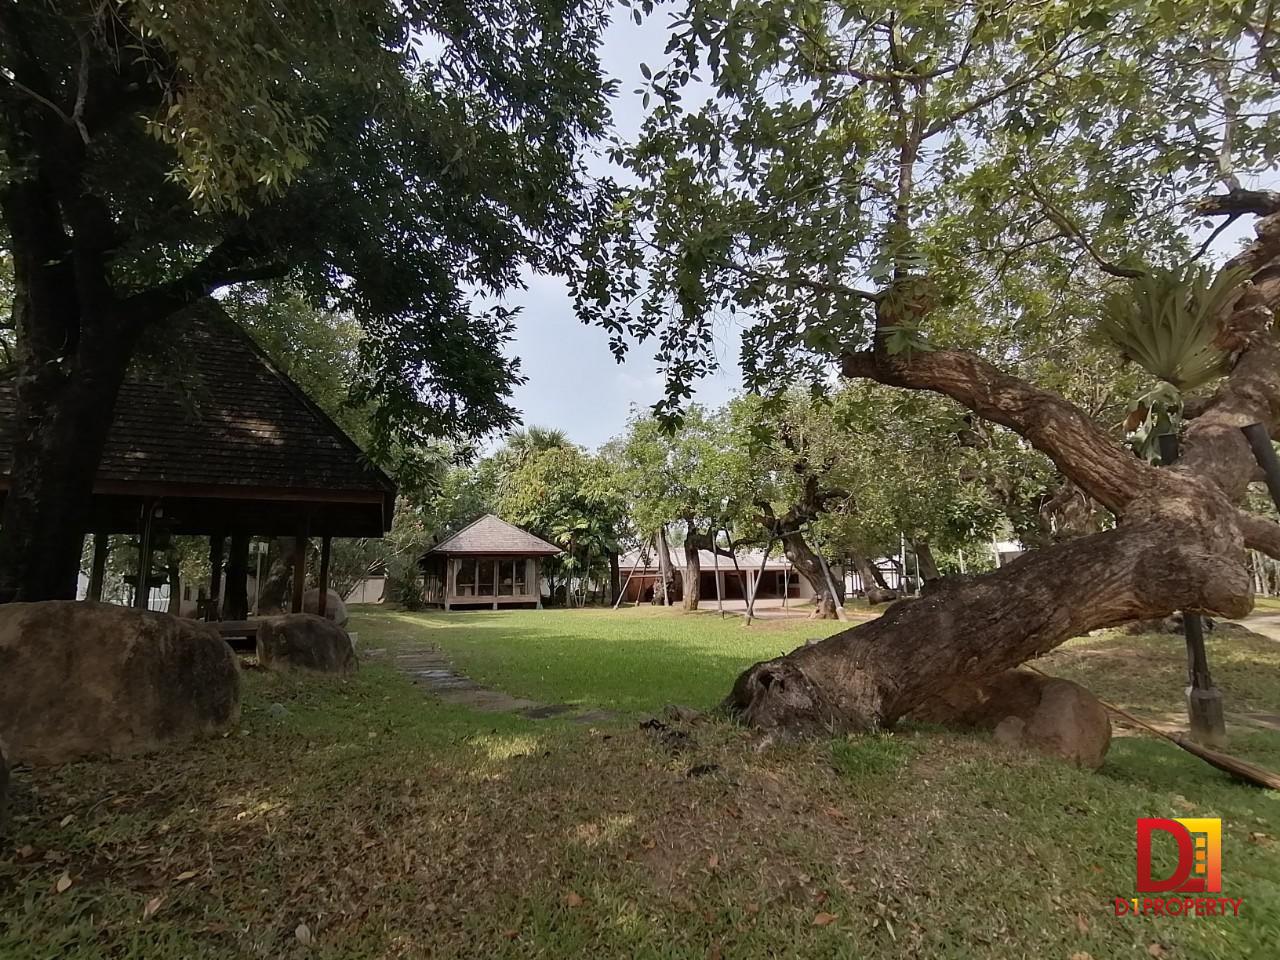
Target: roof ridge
{"x": 535, "y": 540}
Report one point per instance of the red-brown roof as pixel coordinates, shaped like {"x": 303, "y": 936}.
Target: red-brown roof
{"x": 489, "y": 535}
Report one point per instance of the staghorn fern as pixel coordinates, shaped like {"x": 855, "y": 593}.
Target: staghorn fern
{"x": 1167, "y": 323}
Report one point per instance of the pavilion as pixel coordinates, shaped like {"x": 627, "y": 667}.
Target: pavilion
{"x": 488, "y": 563}
{"x": 211, "y": 438}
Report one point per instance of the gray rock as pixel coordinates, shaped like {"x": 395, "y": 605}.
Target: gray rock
{"x": 300, "y": 641}
{"x": 278, "y": 710}
{"x": 334, "y": 610}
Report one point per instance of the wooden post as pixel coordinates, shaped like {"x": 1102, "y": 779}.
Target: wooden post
{"x": 322, "y": 602}
{"x": 831, "y": 585}
{"x": 299, "y": 570}
{"x": 1263, "y": 451}
{"x": 1204, "y": 701}
{"x": 235, "y": 587}
{"x": 752, "y": 587}
{"x": 786, "y": 582}
{"x": 216, "y": 542}
{"x": 98, "y": 572}
{"x": 142, "y": 592}
{"x": 715, "y": 565}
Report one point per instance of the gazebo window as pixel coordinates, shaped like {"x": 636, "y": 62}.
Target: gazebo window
{"x": 511, "y": 579}
{"x": 466, "y": 586}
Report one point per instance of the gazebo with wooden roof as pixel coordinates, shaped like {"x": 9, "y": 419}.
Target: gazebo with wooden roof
{"x": 488, "y": 563}
{"x": 222, "y": 443}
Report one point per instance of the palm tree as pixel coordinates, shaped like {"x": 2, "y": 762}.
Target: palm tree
{"x": 524, "y": 443}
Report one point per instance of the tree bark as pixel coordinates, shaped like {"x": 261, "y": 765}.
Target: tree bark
{"x": 692, "y": 577}
{"x": 808, "y": 565}
{"x": 666, "y": 569}
{"x": 273, "y": 596}
{"x": 924, "y": 556}
{"x": 615, "y": 578}
{"x": 865, "y": 678}
{"x": 1180, "y": 545}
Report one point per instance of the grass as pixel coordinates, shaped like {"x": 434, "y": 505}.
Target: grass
{"x": 359, "y": 819}
{"x": 632, "y": 660}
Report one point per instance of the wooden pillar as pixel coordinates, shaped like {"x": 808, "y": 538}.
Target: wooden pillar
{"x": 235, "y": 593}
{"x": 216, "y": 542}
{"x": 322, "y": 602}
{"x": 299, "y": 570}
{"x": 97, "y": 573}
{"x": 142, "y": 589}
{"x": 537, "y": 581}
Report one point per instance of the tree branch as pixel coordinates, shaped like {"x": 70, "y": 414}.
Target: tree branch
{"x": 1065, "y": 223}
{"x": 1260, "y": 533}
{"x": 1081, "y": 449}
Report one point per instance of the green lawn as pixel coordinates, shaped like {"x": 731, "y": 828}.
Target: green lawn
{"x": 630, "y": 660}
{"x": 358, "y": 818}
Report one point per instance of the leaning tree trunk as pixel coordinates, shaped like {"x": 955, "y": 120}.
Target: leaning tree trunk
{"x": 873, "y": 585}
{"x": 924, "y": 557}
{"x": 274, "y": 594}
{"x": 809, "y": 566}
{"x": 1180, "y": 545}
{"x": 666, "y": 569}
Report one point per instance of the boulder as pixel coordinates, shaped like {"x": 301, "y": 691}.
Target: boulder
{"x": 334, "y": 610}
{"x": 1024, "y": 709}
{"x": 303, "y": 641}
{"x": 1170, "y": 624}
{"x": 4, "y": 790}
{"x": 83, "y": 679}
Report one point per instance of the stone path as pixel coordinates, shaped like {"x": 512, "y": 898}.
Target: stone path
{"x": 431, "y": 670}
{"x": 1265, "y": 622}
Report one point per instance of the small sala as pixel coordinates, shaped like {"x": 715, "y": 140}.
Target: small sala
{"x": 488, "y": 563}
{"x": 210, "y": 438}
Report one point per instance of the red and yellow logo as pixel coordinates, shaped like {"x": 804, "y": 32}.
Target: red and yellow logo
{"x": 1197, "y": 871}
{"x": 1199, "y": 866}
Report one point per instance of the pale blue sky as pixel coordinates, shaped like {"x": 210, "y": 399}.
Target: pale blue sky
{"x": 574, "y": 383}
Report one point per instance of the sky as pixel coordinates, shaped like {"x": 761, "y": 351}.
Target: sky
{"x": 573, "y": 382}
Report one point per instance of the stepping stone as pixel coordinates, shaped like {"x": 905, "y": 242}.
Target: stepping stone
{"x": 596, "y": 716}
{"x": 549, "y": 710}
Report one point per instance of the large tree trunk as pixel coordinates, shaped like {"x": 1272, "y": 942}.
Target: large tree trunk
{"x": 1180, "y": 545}
{"x": 809, "y": 566}
{"x": 274, "y": 593}
{"x": 63, "y": 413}
{"x": 692, "y": 571}
{"x": 867, "y": 677}
{"x": 615, "y": 578}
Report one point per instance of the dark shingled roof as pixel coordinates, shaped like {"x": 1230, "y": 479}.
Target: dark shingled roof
{"x": 225, "y": 422}
{"x": 489, "y": 536}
